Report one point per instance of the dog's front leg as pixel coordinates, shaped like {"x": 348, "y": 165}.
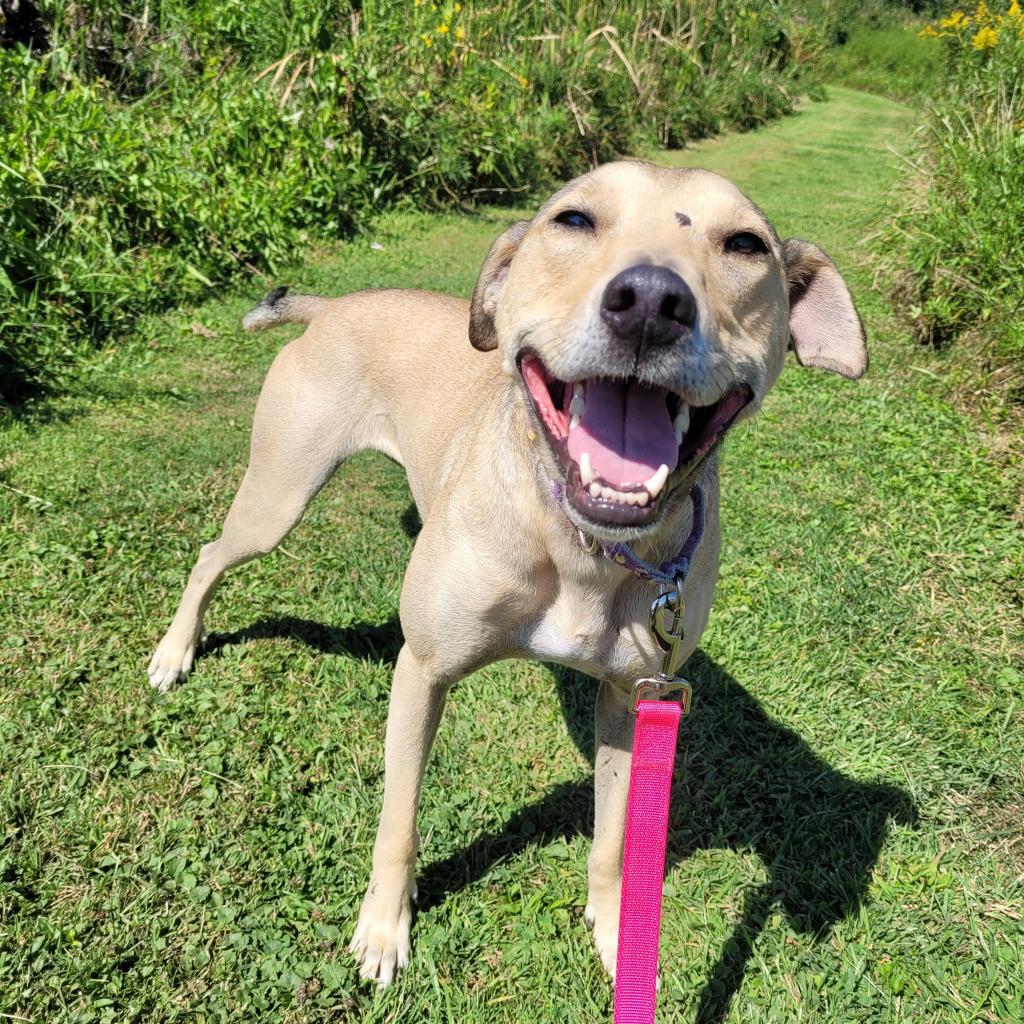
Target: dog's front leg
{"x": 613, "y": 752}
{"x": 381, "y": 940}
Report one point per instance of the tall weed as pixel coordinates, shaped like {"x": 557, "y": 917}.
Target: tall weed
{"x": 152, "y": 151}
{"x": 955, "y": 251}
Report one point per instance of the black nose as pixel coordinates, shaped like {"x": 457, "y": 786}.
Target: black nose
{"x": 648, "y": 305}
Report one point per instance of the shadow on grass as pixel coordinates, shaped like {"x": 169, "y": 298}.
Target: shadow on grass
{"x": 743, "y": 782}
{"x": 375, "y": 641}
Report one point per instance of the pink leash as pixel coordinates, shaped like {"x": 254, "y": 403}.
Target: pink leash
{"x": 659, "y": 703}
{"x": 643, "y": 861}
{"x": 643, "y": 868}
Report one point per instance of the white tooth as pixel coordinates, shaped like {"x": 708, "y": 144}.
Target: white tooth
{"x": 642, "y": 499}
{"x": 631, "y": 497}
{"x": 595, "y": 490}
{"x": 682, "y": 423}
{"x": 587, "y": 473}
{"x": 578, "y": 405}
{"x": 656, "y": 482}
{"x": 607, "y": 493}
{"x": 574, "y": 421}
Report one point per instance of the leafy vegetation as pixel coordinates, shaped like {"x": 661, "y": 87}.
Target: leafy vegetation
{"x": 874, "y": 45}
{"x": 153, "y": 151}
{"x": 846, "y": 829}
{"x": 954, "y": 254}
{"x": 890, "y": 59}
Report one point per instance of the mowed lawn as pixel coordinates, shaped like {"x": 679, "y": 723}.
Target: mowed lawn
{"x": 846, "y": 837}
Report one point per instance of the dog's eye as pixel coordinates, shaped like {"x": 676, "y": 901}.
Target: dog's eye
{"x": 575, "y": 219}
{"x": 746, "y": 243}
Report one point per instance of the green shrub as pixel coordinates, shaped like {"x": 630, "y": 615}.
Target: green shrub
{"x": 955, "y": 251}
{"x": 153, "y": 151}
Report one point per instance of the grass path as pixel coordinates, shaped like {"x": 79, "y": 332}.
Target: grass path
{"x": 846, "y": 838}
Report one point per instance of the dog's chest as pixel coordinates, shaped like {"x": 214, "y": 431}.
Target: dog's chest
{"x": 592, "y": 632}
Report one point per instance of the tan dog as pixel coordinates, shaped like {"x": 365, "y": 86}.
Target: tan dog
{"x": 619, "y": 334}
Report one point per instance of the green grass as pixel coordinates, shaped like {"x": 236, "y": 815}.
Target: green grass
{"x": 846, "y": 838}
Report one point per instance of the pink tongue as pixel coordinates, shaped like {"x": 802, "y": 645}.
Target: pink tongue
{"x": 627, "y": 431}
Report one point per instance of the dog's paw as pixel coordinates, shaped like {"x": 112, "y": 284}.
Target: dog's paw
{"x": 171, "y": 662}
{"x": 380, "y": 944}
{"x": 605, "y": 929}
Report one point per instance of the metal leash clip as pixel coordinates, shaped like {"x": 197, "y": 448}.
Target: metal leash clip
{"x": 666, "y": 626}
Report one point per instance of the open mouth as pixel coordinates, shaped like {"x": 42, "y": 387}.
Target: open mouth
{"x": 619, "y": 442}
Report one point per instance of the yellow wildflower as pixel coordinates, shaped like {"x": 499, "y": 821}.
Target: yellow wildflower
{"x": 1015, "y": 12}
{"x": 954, "y": 21}
{"x": 458, "y": 7}
{"x": 981, "y": 14}
{"x": 427, "y": 41}
{"x": 460, "y": 33}
{"x": 928, "y": 33}
{"x": 442, "y": 29}
{"x": 985, "y": 38}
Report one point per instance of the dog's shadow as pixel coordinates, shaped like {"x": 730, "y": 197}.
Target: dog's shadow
{"x": 743, "y": 782}
{"x": 376, "y": 641}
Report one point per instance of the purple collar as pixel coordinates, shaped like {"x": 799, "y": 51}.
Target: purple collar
{"x": 670, "y": 572}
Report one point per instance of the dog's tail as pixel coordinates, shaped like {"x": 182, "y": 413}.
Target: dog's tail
{"x": 278, "y": 307}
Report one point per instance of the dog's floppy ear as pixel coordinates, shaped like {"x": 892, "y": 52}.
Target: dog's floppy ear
{"x": 484, "y": 303}
{"x": 824, "y": 328}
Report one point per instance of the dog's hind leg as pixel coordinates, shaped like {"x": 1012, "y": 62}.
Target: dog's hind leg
{"x": 302, "y": 431}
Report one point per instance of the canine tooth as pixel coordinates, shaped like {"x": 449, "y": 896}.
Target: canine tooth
{"x": 682, "y": 423}
{"x": 587, "y": 473}
{"x": 574, "y": 421}
{"x": 656, "y": 482}
{"x": 595, "y": 490}
{"x": 642, "y": 499}
{"x": 578, "y": 405}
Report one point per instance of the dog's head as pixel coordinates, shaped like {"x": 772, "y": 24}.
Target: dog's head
{"x": 645, "y": 311}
